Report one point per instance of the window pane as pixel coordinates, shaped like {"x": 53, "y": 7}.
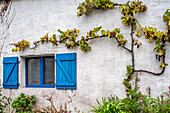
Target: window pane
{"x": 33, "y": 71}
{"x": 49, "y": 71}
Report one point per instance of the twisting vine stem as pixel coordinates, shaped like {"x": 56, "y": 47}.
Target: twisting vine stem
{"x": 132, "y": 48}
{"x": 133, "y": 58}
{"x": 153, "y": 73}
{"x": 123, "y": 45}
{"x": 116, "y": 40}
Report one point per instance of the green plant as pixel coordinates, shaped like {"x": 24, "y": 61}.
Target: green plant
{"x": 130, "y": 104}
{"x": 20, "y": 46}
{"x": 136, "y": 102}
{"x": 4, "y": 102}
{"x": 126, "y": 80}
{"x": 23, "y": 103}
{"x": 88, "y": 5}
{"x": 110, "y": 106}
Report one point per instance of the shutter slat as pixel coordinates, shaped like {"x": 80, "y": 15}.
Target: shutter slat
{"x": 64, "y": 84}
{"x": 10, "y": 72}
{"x": 65, "y": 59}
{"x": 10, "y": 62}
{"x": 13, "y": 83}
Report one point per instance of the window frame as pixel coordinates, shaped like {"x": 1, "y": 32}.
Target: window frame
{"x": 42, "y": 85}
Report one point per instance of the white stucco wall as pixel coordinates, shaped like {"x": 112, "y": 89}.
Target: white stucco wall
{"x": 100, "y": 72}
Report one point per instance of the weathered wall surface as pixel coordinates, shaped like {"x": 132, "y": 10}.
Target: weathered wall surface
{"x": 100, "y": 72}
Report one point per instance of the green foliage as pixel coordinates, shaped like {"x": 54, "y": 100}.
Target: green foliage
{"x": 126, "y": 80}
{"x": 88, "y": 5}
{"x": 84, "y": 46}
{"x": 135, "y": 103}
{"x": 166, "y": 17}
{"x": 61, "y": 31}
{"x": 129, "y": 9}
{"x": 97, "y": 29}
{"x": 53, "y": 40}
{"x": 120, "y": 38}
{"x": 145, "y": 103}
{"x": 45, "y": 38}
{"x": 110, "y": 106}
{"x": 4, "y": 102}
{"x": 93, "y": 33}
{"x": 160, "y": 39}
{"x": 20, "y": 46}
{"x": 115, "y": 34}
{"x": 138, "y": 33}
{"x": 23, "y": 103}
{"x": 129, "y": 71}
{"x": 69, "y": 37}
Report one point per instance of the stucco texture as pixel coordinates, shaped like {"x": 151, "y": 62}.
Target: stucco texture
{"x": 100, "y": 72}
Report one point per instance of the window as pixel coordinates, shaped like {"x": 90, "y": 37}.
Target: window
{"x": 40, "y": 72}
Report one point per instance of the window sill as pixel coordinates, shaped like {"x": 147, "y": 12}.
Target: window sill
{"x": 40, "y": 86}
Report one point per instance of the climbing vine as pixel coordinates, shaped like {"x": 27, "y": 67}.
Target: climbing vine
{"x": 128, "y": 10}
{"x": 88, "y": 5}
{"x": 20, "y": 46}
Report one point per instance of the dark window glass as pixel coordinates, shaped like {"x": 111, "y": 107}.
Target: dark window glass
{"x": 48, "y": 70}
{"x": 33, "y": 71}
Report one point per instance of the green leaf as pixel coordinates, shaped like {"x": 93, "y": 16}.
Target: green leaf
{"x": 54, "y": 36}
{"x": 103, "y": 32}
{"x": 117, "y": 30}
{"x": 89, "y": 47}
{"x": 82, "y": 37}
{"x": 166, "y": 64}
{"x": 61, "y": 31}
{"x": 98, "y": 103}
{"x": 93, "y": 107}
{"x": 123, "y": 17}
{"x": 97, "y": 29}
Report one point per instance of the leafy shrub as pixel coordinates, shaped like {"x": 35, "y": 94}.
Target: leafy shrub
{"x": 4, "y": 101}
{"x": 136, "y": 102}
{"x": 23, "y": 103}
{"x": 110, "y": 106}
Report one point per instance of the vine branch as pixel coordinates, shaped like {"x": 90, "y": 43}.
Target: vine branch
{"x": 116, "y": 40}
{"x": 123, "y": 45}
{"x": 132, "y": 47}
{"x": 153, "y": 73}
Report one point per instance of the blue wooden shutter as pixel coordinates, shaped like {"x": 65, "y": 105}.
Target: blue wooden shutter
{"x": 66, "y": 71}
{"x": 10, "y": 72}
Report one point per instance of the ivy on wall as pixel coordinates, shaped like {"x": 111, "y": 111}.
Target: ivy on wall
{"x": 128, "y": 10}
